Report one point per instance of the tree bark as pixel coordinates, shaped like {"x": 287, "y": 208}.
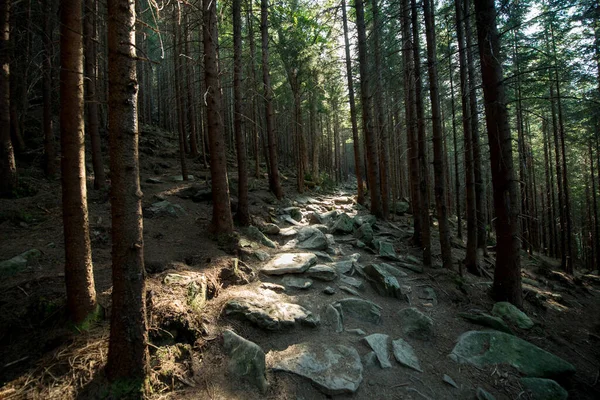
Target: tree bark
{"x": 274, "y": 183}
{"x": 351, "y": 100}
{"x": 81, "y": 293}
{"x": 365, "y": 91}
{"x": 422, "y": 139}
{"x": 189, "y": 72}
{"x": 507, "y": 274}
{"x": 222, "y": 222}
{"x": 128, "y": 350}
{"x": 8, "y": 167}
{"x": 242, "y": 215}
{"x": 49, "y": 142}
{"x": 454, "y": 142}
{"x": 470, "y": 206}
{"x": 438, "y": 150}
{"x": 91, "y": 75}
{"x": 180, "y": 112}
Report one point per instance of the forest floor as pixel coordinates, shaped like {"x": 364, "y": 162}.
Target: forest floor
{"x": 193, "y": 279}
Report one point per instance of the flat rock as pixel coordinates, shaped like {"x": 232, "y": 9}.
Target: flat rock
{"x": 412, "y": 267}
{"x": 364, "y": 233}
{"x": 164, "y": 209}
{"x": 416, "y": 324}
{"x": 343, "y": 224}
{"x": 333, "y": 319}
{"x": 255, "y": 234}
{"x": 322, "y": 228}
{"x": 428, "y": 294}
{"x": 386, "y": 250}
{"x": 449, "y": 381}
{"x": 322, "y": 272}
{"x": 179, "y": 178}
{"x": 294, "y": 212}
{"x": 379, "y": 343}
{"x": 310, "y": 238}
{"x": 390, "y": 269}
{"x": 344, "y": 266}
{"x": 329, "y": 290}
{"x": 384, "y": 282}
{"x": 333, "y": 369}
{"x": 482, "y": 394}
{"x": 270, "y": 229}
{"x": 405, "y": 354}
{"x": 512, "y": 314}
{"x": 351, "y": 281}
{"x": 270, "y": 314}
{"x": 367, "y": 219}
{"x": 246, "y": 359}
{"x": 323, "y": 255}
{"x": 492, "y": 347}
{"x": 363, "y": 310}
{"x": 272, "y": 286}
{"x": 288, "y": 232}
{"x": 295, "y": 282}
{"x": 350, "y": 290}
{"x": 487, "y": 320}
{"x": 289, "y": 263}
{"x": 17, "y": 263}
{"x": 544, "y": 389}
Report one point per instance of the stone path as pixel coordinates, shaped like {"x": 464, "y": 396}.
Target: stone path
{"x": 329, "y": 268}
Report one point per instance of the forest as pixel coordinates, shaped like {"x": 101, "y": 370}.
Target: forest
{"x": 308, "y": 199}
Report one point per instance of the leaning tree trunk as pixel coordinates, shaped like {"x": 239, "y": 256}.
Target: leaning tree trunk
{"x": 507, "y": 274}
{"x": 357, "y": 160}
{"x": 438, "y": 150}
{"x": 365, "y": 91}
{"x": 81, "y": 293}
{"x": 128, "y": 349}
{"x": 274, "y": 183}
{"x": 222, "y": 222}
{"x": 242, "y": 215}
{"x": 8, "y": 168}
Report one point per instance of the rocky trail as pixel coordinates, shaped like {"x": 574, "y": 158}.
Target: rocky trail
{"x": 317, "y": 299}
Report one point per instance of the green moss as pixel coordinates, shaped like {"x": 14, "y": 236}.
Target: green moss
{"x": 90, "y": 320}
{"x": 130, "y": 389}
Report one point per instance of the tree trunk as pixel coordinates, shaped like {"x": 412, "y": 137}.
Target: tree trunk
{"x": 189, "y": 72}
{"x": 479, "y": 183}
{"x": 49, "y": 142}
{"x": 91, "y": 77}
{"x": 179, "y": 97}
{"x": 355, "y": 139}
{"x": 81, "y": 293}
{"x": 128, "y": 351}
{"x": 381, "y": 133}
{"x": 252, "y": 70}
{"x": 507, "y": 274}
{"x": 274, "y": 184}
{"x": 438, "y": 150}
{"x": 221, "y": 219}
{"x": 454, "y": 142}
{"x": 422, "y": 139}
{"x": 471, "y": 210}
{"x": 365, "y": 90}
{"x": 242, "y": 215}
{"x": 8, "y": 168}
{"x": 409, "y": 107}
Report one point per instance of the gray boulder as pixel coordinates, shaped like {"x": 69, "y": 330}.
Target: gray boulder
{"x": 295, "y": 282}
{"x": 18, "y": 263}
{"x": 487, "y": 320}
{"x": 333, "y": 369}
{"x": 416, "y": 324}
{"x": 164, "y": 209}
{"x": 255, "y": 234}
{"x": 401, "y": 207}
{"x": 246, "y": 359}
{"x": 360, "y": 309}
{"x": 379, "y": 343}
{"x": 333, "y": 319}
{"x": 405, "y": 354}
{"x": 512, "y": 314}
{"x": 343, "y": 224}
{"x": 492, "y": 347}
{"x": 544, "y": 389}
{"x": 294, "y": 212}
{"x": 351, "y": 281}
{"x": 384, "y": 283}
{"x": 367, "y": 219}
{"x": 322, "y": 272}
{"x": 270, "y": 314}
{"x": 270, "y": 229}
{"x": 289, "y": 263}
{"x": 364, "y": 233}
{"x": 310, "y": 238}
{"x": 386, "y": 250}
